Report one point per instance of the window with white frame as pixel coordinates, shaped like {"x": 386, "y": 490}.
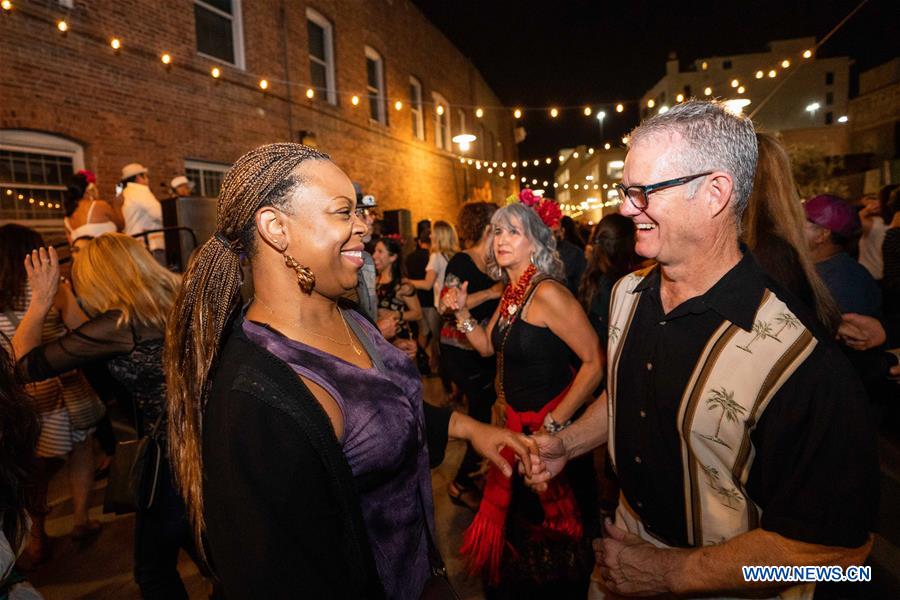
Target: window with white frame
{"x": 375, "y": 86}
{"x": 442, "y": 136}
{"x": 321, "y": 55}
{"x": 35, "y": 169}
{"x": 207, "y": 177}
{"x": 217, "y": 24}
{"x": 415, "y": 108}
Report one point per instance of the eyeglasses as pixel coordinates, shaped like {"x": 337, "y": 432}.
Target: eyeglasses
{"x": 639, "y": 195}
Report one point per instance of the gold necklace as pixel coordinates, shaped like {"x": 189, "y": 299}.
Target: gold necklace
{"x": 349, "y": 341}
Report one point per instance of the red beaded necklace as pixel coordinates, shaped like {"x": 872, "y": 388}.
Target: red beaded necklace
{"x": 514, "y": 294}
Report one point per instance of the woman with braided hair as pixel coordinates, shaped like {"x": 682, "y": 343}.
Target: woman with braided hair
{"x": 297, "y": 431}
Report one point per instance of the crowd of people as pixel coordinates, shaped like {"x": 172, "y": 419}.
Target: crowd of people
{"x": 731, "y": 346}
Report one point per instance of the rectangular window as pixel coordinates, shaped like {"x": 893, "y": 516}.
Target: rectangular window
{"x": 415, "y": 108}
{"x": 829, "y": 98}
{"x": 829, "y": 78}
{"x": 375, "y": 86}
{"x": 726, "y": 64}
{"x": 33, "y": 184}
{"x": 829, "y": 118}
{"x": 217, "y": 24}
{"x": 442, "y": 136}
{"x": 687, "y": 92}
{"x": 321, "y": 55}
{"x": 207, "y": 177}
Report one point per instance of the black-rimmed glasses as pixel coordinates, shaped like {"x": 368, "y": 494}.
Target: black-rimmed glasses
{"x": 638, "y": 195}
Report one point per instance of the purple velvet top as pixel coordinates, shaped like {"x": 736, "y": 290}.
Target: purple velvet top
{"x": 384, "y": 442}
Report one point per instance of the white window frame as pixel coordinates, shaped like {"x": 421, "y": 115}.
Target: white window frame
{"x": 442, "y": 135}
{"x": 415, "y": 107}
{"x": 320, "y": 20}
{"x": 202, "y": 165}
{"x": 21, "y": 140}
{"x": 237, "y": 32}
{"x": 374, "y": 55}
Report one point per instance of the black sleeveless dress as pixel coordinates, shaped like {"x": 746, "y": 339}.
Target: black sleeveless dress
{"x": 536, "y": 369}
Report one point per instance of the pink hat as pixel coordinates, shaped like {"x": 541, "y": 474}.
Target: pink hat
{"x": 832, "y": 213}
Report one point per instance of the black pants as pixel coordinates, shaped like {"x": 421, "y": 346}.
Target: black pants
{"x": 474, "y": 375}
{"x": 159, "y": 534}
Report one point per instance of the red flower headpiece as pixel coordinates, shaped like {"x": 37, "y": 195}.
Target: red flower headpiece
{"x": 546, "y": 208}
{"x": 90, "y": 177}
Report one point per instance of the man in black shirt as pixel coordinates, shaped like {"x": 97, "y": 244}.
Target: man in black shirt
{"x": 739, "y": 432}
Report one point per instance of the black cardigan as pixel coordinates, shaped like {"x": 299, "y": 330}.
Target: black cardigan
{"x": 282, "y": 511}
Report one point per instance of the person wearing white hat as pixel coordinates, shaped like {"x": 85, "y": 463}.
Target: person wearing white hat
{"x": 142, "y": 210}
{"x": 181, "y": 186}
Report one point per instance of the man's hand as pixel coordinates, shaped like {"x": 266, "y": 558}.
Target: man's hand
{"x": 42, "y": 267}
{"x": 631, "y": 566}
{"x": 861, "y": 332}
{"x": 547, "y": 462}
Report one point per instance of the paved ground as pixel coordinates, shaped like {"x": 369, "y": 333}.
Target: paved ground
{"x": 101, "y": 569}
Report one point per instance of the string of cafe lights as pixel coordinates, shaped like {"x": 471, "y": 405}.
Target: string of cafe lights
{"x": 598, "y": 111}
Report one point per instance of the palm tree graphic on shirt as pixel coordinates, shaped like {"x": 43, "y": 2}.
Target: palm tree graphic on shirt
{"x": 723, "y": 399}
{"x": 761, "y": 330}
{"x": 729, "y": 496}
{"x": 787, "y": 321}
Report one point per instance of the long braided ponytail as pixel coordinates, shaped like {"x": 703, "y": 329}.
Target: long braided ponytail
{"x": 210, "y": 293}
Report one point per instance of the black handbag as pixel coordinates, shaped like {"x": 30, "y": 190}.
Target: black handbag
{"x": 133, "y": 483}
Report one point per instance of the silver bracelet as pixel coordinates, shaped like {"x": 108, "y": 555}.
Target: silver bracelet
{"x": 552, "y": 426}
{"x": 466, "y": 325}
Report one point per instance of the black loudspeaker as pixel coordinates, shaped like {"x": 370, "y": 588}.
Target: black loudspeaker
{"x": 198, "y": 216}
{"x": 398, "y": 222}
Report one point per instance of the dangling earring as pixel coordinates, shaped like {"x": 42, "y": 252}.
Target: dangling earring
{"x": 305, "y": 277}
{"x": 532, "y": 260}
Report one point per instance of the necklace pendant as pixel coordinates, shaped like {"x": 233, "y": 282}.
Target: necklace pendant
{"x": 511, "y": 309}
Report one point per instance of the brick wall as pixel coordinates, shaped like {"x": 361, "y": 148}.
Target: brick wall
{"x": 126, "y": 106}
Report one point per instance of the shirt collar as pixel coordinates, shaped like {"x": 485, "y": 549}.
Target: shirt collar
{"x": 736, "y": 296}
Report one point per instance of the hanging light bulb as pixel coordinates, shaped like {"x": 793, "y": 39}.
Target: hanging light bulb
{"x": 807, "y": 54}
{"x": 514, "y": 164}
{"x": 773, "y": 73}
{"x": 735, "y": 83}
{"x": 707, "y": 91}
{"x": 215, "y": 72}
{"x": 536, "y": 162}
{"x": 741, "y": 90}
{"x": 619, "y": 108}
{"x": 679, "y": 98}
{"x": 115, "y": 44}
{"x": 354, "y": 100}
{"x": 651, "y": 103}
{"x": 548, "y": 160}
{"x": 607, "y": 146}
{"x": 263, "y": 84}
{"x": 62, "y": 26}
{"x": 554, "y": 113}
{"x": 759, "y": 74}
{"x": 310, "y": 93}
{"x": 440, "y": 109}
{"x": 166, "y": 58}
{"x": 479, "y": 113}
{"x": 587, "y": 111}
{"x": 398, "y": 105}
{"x": 785, "y": 64}
{"x": 6, "y": 5}
{"x": 517, "y": 113}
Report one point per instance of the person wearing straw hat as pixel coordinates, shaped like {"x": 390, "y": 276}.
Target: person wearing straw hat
{"x": 181, "y": 186}
{"x": 142, "y": 210}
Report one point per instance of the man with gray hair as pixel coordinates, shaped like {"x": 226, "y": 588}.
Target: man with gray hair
{"x": 738, "y": 431}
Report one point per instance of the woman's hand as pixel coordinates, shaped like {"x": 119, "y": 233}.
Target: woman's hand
{"x": 488, "y": 441}
{"x": 42, "y": 267}
{"x": 861, "y": 332}
{"x": 456, "y": 297}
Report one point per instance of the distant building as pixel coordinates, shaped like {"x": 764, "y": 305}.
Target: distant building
{"x": 809, "y": 100}
{"x": 374, "y": 84}
{"x": 584, "y": 180}
{"x": 874, "y": 114}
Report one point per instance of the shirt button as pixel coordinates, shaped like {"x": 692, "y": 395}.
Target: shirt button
{"x": 662, "y": 322}
{"x": 639, "y": 504}
{"x": 637, "y": 459}
{"x": 649, "y": 366}
{"x": 643, "y": 414}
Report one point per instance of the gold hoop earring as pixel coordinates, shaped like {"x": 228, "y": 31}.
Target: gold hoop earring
{"x": 305, "y": 277}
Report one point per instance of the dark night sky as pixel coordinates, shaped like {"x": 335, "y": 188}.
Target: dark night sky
{"x": 542, "y": 53}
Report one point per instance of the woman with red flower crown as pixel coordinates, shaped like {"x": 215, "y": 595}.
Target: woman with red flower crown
{"x": 528, "y": 545}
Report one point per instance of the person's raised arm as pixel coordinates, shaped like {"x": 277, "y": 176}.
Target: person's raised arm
{"x": 42, "y": 267}
{"x": 478, "y": 336}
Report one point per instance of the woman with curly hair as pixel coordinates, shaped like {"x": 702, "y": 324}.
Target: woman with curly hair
{"x": 528, "y": 545}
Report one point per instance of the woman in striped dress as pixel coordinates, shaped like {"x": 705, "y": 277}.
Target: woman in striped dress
{"x": 56, "y": 399}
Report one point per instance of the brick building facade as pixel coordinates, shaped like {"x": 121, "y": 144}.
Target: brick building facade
{"x": 69, "y": 100}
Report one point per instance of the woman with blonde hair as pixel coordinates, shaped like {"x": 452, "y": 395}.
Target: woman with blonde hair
{"x": 772, "y": 229}
{"x": 444, "y": 245}
{"x": 129, "y": 297}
